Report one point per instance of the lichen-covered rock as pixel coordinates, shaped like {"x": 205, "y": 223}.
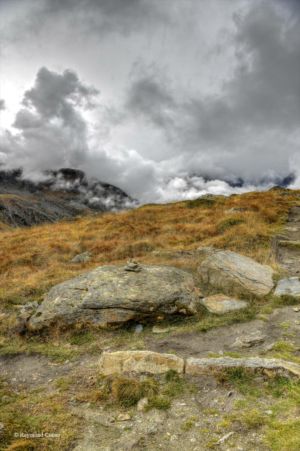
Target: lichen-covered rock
{"x": 234, "y": 273}
{"x": 288, "y": 287}
{"x": 219, "y": 304}
{"x": 112, "y": 295}
{"x": 139, "y": 362}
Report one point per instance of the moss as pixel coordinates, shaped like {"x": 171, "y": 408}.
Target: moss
{"x": 82, "y": 337}
{"x": 252, "y": 419}
{"x": 63, "y": 383}
{"x": 284, "y": 435}
{"x": 241, "y": 378}
{"x": 174, "y": 385}
{"x": 284, "y": 346}
{"x": 58, "y": 352}
{"x": 159, "y": 402}
{"x": 34, "y": 412}
{"x": 188, "y": 424}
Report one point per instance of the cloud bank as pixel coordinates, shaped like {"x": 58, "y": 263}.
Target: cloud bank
{"x": 156, "y": 135}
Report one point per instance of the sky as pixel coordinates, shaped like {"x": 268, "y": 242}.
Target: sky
{"x": 167, "y": 99}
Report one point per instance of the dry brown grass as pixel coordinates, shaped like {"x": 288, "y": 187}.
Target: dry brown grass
{"x": 34, "y": 259}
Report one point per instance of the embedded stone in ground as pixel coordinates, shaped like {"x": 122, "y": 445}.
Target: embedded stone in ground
{"x": 139, "y": 362}
{"x": 248, "y": 341}
{"x": 197, "y": 367}
{"x": 220, "y": 304}
{"x": 288, "y": 287}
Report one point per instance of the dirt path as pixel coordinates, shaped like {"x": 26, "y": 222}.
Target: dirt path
{"x": 287, "y": 245}
{"x": 255, "y": 337}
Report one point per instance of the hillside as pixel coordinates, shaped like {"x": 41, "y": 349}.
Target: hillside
{"x": 62, "y": 194}
{"x": 53, "y": 378}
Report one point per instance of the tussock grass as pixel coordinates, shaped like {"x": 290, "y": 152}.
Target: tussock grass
{"x": 125, "y": 392}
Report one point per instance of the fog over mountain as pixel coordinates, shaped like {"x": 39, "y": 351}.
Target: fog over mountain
{"x": 166, "y": 99}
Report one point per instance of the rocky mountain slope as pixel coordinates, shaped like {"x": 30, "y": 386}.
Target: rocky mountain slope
{"x": 62, "y": 194}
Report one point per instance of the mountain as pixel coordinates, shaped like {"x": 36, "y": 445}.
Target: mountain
{"x": 61, "y": 194}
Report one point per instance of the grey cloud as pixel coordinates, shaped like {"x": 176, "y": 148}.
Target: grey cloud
{"x": 2, "y": 104}
{"x": 151, "y": 99}
{"x": 88, "y": 16}
{"x": 248, "y": 127}
{"x": 56, "y": 94}
{"x": 52, "y": 130}
{"x": 173, "y": 125}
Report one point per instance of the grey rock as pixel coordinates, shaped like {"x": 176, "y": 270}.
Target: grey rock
{"x": 288, "y": 287}
{"x": 248, "y": 341}
{"x": 196, "y": 367}
{"x": 234, "y": 273}
{"x": 138, "y": 328}
{"x": 220, "y": 304}
{"x": 109, "y": 296}
{"x": 132, "y": 265}
{"x": 82, "y": 258}
{"x": 26, "y": 311}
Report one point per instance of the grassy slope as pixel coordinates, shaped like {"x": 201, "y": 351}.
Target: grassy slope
{"x": 32, "y": 260}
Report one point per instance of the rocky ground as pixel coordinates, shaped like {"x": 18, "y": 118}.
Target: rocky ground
{"x": 205, "y": 414}
{"x": 61, "y": 385}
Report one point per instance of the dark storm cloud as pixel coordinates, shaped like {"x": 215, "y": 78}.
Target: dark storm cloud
{"x": 219, "y": 94}
{"x": 260, "y": 102}
{"x": 151, "y": 99}
{"x": 90, "y": 16}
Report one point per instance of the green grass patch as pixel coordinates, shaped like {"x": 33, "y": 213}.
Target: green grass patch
{"x": 228, "y": 223}
{"x": 284, "y": 435}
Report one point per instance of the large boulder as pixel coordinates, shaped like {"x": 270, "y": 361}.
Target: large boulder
{"x": 113, "y": 295}
{"x": 233, "y": 273}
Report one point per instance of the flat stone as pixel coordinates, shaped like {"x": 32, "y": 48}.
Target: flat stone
{"x": 234, "y": 273}
{"x": 288, "y": 287}
{"x": 197, "y": 367}
{"x": 160, "y": 330}
{"x": 139, "y": 362}
{"x": 220, "y": 304}
{"x": 123, "y": 417}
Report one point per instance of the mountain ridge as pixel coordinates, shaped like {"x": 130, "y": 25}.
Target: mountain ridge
{"x": 60, "y": 194}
